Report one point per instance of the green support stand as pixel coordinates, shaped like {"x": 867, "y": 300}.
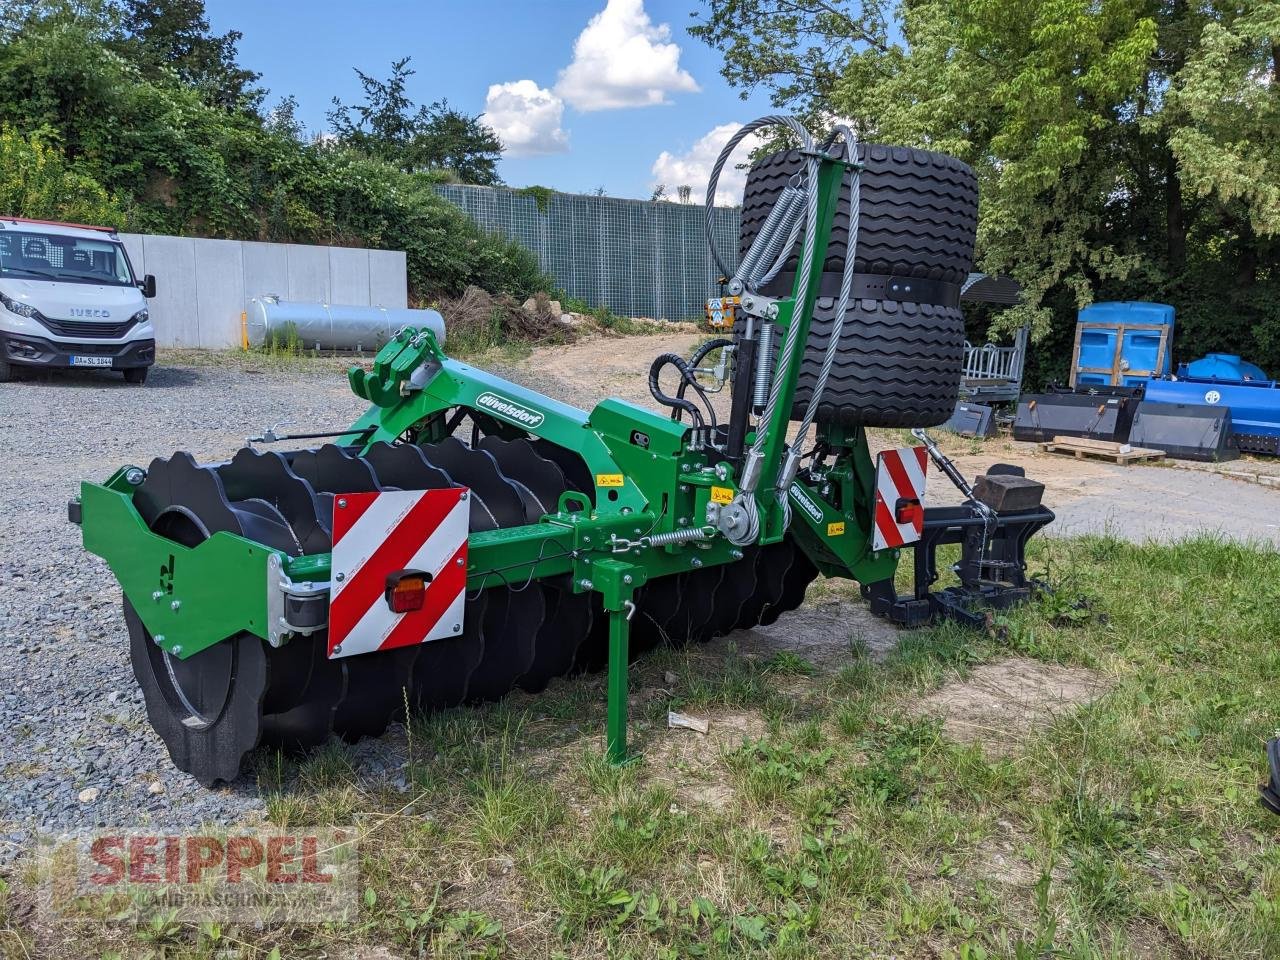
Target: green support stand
{"x": 619, "y": 686}
{"x": 617, "y": 583}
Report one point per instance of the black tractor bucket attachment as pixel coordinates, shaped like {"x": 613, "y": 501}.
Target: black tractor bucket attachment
{"x": 1100, "y": 413}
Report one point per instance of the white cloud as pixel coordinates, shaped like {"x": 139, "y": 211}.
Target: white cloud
{"x": 622, "y": 59}
{"x": 526, "y": 118}
{"x": 693, "y": 167}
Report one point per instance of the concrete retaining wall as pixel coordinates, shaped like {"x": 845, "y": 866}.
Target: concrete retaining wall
{"x": 204, "y": 285}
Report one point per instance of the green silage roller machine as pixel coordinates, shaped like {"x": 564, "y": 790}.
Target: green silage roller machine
{"x": 281, "y": 597}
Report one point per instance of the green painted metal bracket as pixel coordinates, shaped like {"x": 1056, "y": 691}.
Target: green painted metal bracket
{"x": 394, "y": 364}
{"x": 617, "y": 582}
{"x": 201, "y": 594}
{"x": 797, "y": 315}
{"x": 836, "y": 543}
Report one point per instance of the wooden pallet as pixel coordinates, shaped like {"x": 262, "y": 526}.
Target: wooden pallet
{"x": 1108, "y": 450}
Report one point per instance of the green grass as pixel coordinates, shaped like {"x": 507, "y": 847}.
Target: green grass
{"x": 854, "y": 826}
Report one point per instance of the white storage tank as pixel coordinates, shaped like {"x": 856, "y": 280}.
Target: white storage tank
{"x": 332, "y": 326}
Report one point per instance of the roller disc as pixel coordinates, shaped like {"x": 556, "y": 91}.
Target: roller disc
{"x": 252, "y": 474}
{"x": 799, "y": 574}
{"x": 697, "y": 604}
{"x": 442, "y": 673}
{"x": 208, "y": 727}
{"x": 771, "y": 564}
{"x": 577, "y": 474}
{"x": 568, "y": 615}
{"x": 515, "y": 610}
{"x": 208, "y": 709}
{"x": 657, "y": 608}
{"x": 508, "y": 643}
{"x": 403, "y": 465}
{"x": 737, "y": 588}
{"x": 304, "y": 718}
{"x": 330, "y": 469}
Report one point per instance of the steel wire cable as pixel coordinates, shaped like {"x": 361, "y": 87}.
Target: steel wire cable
{"x": 846, "y": 288}
{"x": 790, "y": 123}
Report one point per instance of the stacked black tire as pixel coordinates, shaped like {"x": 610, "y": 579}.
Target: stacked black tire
{"x": 899, "y": 360}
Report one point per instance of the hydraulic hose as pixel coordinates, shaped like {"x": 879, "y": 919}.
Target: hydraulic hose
{"x": 692, "y": 363}
{"x": 676, "y": 403}
{"x": 754, "y": 459}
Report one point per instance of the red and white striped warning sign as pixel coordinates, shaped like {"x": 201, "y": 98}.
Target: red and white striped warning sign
{"x": 377, "y": 534}
{"x": 900, "y": 476}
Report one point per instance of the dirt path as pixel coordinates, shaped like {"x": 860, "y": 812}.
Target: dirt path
{"x": 1165, "y": 502}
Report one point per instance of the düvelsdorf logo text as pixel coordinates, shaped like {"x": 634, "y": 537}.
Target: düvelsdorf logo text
{"x": 91, "y": 312}
{"x": 510, "y": 410}
{"x": 807, "y": 505}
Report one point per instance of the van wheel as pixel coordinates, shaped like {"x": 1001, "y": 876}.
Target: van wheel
{"x": 6, "y": 371}
{"x": 136, "y": 375}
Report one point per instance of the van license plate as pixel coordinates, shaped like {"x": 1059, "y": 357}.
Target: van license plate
{"x": 91, "y": 361}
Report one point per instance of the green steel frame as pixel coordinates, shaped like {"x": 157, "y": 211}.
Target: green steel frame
{"x": 650, "y": 479}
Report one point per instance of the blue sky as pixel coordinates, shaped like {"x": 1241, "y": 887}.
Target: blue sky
{"x": 578, "y": 110}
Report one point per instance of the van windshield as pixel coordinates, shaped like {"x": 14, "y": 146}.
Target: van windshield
{"x": 51, "y": 256}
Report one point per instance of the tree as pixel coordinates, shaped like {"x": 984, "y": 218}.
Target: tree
{"x": 94, "y": 139}
{"x": 797, "y": 50}
{"x": 1124, "y": 148}
{"x": 390, "y": 126}
{"x": 283, "y": 119}
{"x": 162, "y": 35}
{"x": 385, "y": 124}
{"x": 459, "y": 142}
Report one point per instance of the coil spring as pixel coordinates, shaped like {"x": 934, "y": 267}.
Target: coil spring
{"x": 783, "y": 239}
{"x": 771, "y": 235}
{"x": 764, "y": 367}
{"x": 677, "y": 536}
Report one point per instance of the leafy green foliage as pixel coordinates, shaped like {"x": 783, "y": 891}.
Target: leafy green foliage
{"x": 1126, "y": 149}
{"x": 37, "y": 181}
{"x": 389, "y": 126}
{"x": 166, "y": 37}
{"x": 108, "y": 135}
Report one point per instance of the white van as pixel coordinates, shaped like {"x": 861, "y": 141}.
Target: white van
{"x": 69, "y": 298}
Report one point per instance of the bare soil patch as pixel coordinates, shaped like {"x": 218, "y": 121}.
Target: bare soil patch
{"x": 829, "y": 634}
{"x": 693, "y": 764}
{"x": 1000, "y": 705}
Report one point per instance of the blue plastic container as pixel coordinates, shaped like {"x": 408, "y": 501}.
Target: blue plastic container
{"x": 1254, "y": 402}
{"x": 1101, "y": 325}
{"x": 1221, "y": 366}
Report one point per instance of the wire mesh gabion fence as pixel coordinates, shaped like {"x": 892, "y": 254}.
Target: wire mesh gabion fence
{"x": 639, "y": 258}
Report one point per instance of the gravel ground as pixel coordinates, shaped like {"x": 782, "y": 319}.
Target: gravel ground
{"x": 71, "y": 719}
